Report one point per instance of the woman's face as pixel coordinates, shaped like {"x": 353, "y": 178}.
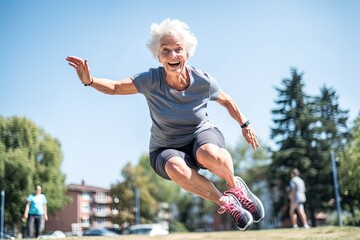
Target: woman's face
{"x": 172, "y": 54}
{"x": 38, "y": 189}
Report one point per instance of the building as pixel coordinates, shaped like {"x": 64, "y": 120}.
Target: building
{"x": 89, "y": 207}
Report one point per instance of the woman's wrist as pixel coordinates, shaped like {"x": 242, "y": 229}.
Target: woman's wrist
{"x": 89, "y": 84}
{"x": 245, "y": 124}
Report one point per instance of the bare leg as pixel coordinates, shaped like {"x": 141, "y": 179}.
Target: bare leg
{"x": 191, "y": 181}
{"x": 302, "y": 215}
{"x": 218, "y": 161}
{"x": 292, "y": 213}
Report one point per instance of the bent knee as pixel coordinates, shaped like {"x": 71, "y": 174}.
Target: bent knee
{"x": 211, "y": 153}
{"x": 176, "y": 167}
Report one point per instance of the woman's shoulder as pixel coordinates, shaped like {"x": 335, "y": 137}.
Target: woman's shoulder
{"x": 149, "y": 74}
{"x": 199, "y": 72}
{"x": 31, "y": 195}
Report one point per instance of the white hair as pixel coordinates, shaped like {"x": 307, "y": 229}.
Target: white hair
{"x": 173, "y": 28}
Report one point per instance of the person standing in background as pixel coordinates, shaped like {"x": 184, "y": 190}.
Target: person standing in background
{"x": 297, "y": 199}
{"x": 35, "y": 212}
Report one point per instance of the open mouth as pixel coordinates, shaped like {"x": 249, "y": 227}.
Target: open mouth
{"x": 174, "y": 64}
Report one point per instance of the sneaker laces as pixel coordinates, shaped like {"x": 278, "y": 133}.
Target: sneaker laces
{"x": 231, "y": 208}
{"x": 243, "y": 198}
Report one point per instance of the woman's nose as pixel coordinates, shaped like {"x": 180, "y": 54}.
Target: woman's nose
{"x": 172, "y": 53}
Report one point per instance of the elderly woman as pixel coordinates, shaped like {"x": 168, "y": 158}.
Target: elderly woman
{"x": 183, "y": 140}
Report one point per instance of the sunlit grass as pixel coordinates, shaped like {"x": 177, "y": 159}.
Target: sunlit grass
{"x": 339, "y": 233}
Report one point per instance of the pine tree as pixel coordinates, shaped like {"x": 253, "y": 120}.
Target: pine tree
{"x": 292, "y": 134}
{"x": 330, "y": 133}
{"x": 307, "y": 130}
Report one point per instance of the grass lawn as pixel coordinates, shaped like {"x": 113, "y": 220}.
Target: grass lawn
{"x": 339, "y": 233}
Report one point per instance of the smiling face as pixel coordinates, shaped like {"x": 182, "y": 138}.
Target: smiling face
{"x": 172, "y": 55}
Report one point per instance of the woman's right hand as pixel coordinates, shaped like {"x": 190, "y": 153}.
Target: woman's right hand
{"x": 82, "y": 68}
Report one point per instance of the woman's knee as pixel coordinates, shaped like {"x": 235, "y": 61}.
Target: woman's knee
{"x": 212, "y": 154}
{"x": 176, "y": 167}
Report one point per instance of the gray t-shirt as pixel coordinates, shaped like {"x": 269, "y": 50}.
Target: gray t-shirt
{"x": 177, "y": 116}
{"x": 298, "y": 185}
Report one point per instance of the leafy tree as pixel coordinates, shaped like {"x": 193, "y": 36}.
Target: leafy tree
{"x": 154, "y": 190}
{"x": 124, "y": 200}
{"x": 245, "y": 158}
{"x": 134, "y": 177}
{"x": 168, "y": 192}
{"x": 29, "y": 156}
{"x": 349, "y": 174}
{"x": 165, "y": 191}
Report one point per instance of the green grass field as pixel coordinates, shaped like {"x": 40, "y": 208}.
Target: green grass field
{"x": 339, "y": 233}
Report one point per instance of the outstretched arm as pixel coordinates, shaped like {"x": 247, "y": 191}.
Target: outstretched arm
{"x": 234, "y": 111}
{"x": 107, "y": 86}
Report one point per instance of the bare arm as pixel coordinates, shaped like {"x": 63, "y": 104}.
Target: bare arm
{"x": 107, "y": 86}
{"x": 292, "y": 195}
{"x": 234, "y": 111}
{"x": 26, "y": 213}
{"x": 45, "y": 212}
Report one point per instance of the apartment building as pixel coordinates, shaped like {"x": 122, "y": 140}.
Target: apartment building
{"x": 89, "y": 207}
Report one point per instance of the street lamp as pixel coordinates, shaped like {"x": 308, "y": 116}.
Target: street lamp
{"x": 336, "y": 188}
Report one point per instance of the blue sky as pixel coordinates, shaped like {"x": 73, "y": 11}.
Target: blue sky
{"x": 248, "y": 46}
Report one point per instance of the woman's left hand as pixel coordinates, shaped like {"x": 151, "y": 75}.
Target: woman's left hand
{"x": 250, "y": 137}
{"x": 82, "y": 68}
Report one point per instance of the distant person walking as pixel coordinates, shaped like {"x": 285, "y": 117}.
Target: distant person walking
{"x": 35, "y": 212}
{"x": 297, "y": 199}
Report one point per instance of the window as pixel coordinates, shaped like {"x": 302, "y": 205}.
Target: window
{"x": 85, "y": 207}
{"x": 101, "y": 197}
{"x": 86, "y": 196}
{"x": 100, "y": 210}
{"x": 85, "y": 222}
{"x": 100, "y": 222}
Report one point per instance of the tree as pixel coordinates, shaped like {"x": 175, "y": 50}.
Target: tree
{"x": 134, "y": 177}
{"x": 349, "y": 174}
{"x": 331, "y": 119}
{"x": 29, "y": 156}
{"x": 331, "y": 135}
{"x": 307, "y": 129}
{"x": 165, "y": 191}
{"x": 153, "y": 191}
{"x": 291, "y": 132}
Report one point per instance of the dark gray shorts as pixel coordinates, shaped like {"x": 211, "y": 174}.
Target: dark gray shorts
{"x": 160, "y": 156}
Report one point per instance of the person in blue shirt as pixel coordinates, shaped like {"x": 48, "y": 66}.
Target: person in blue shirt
{"x": 35, "y": 212}
{"x": 183, "y": 140}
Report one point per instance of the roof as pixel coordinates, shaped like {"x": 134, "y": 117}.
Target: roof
{"x": 85, "y": 188}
